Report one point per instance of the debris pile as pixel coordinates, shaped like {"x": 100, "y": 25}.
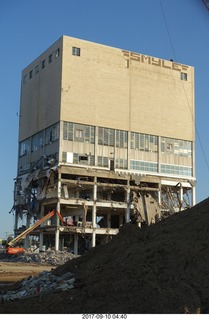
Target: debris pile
{"x": 54, "y": 258}
{"x": 160, "y": 269}
{"x": 44, "y": 283}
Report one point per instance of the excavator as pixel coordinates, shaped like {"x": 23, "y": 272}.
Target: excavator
{"x": 11, "y": 249}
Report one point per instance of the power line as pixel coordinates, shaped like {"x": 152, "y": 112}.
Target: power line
{"x": 195, "y": 126}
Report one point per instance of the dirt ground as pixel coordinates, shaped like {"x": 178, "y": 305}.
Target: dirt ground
{"x": 12, "y": 272}
{"x": 161, "y": 269}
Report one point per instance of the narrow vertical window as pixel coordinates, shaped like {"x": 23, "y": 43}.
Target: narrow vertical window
{"x": 43, "y": 64}
{"x": 183, "y": 76}
{"x": 50, "y": 58}
{"x": 30, "y": 74}
{"x": 57, "y": 53}
{"x": 37, "y": 69}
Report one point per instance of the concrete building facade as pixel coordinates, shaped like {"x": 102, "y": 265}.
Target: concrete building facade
{"x": 106, "y": 136}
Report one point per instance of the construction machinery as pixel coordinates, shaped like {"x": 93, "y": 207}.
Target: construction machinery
{"x": 11, "y": 249}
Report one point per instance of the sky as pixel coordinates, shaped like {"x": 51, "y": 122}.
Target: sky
{"x": 166, "y": 29}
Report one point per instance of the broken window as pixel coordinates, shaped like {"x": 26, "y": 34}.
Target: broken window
{"x": 37, "y": 141}
{"x": 175, "y": 146}
{"x": 24, "y": 147}
{"x": 52, "y": 133}
{"x": 106, "y": 136}
{"x": 144, "y": 142}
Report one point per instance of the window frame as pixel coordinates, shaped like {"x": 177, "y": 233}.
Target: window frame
{"x": 76, "y": 51}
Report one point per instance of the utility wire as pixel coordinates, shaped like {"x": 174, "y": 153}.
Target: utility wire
{"x": 172, "y": 47}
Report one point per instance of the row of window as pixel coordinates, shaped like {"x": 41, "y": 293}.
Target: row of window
{"x": 164, "y": 168}
{"x": 136, "y": 165}
{"x": 40, "y": 139}
{"x": 119, "y": 138}
{"x": 175, "y": 146}
{"x": 106, "y": 137}
{"x": 43, "y": 64}
{"x": 75, "y": 51}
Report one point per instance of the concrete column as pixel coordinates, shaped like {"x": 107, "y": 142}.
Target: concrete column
{"x": 159, "y": 194}
{"x": 127, "y": 215}
{"x": 16, "y": 223}
{"x": 94, "y": 213}
{"x": 57, "y": 232}
{"x": 41, "y": 241}
{"x": 41, "y": 236}
{"x": 181, "y": 195}
{"x": 108, "y": 220}
{"x": 75, "y": 244}
{"x": 27, "y": 226}
{"x": 57, "y": 236}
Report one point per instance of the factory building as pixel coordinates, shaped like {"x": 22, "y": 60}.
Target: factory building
{"x": 106, "y": 136}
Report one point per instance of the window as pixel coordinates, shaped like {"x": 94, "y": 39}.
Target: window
{"x": 103, "y": 162}
{"x": 24, "y": 147}
{"x": 183, "y": 76}
{"x": 121, "y": 139}
{"x": 176, "y": 170}
{"x": 50, "y": 58}
{"x": 31, "y": 74}
{"x": 144, "y": 142}
{"x": 143, "y": 166}
{"x": 106, "y": 136}
{"x": 57, "y": 53}
{"x": 178, "y": 147}
{"x": 76, "y": 51}
{"x": 78, "y": 132}
{"x": 52, "y": 134}
{"x": 37, "y": 69}
{"x": 37, "y": 141}
{"x": 43, "y": 64}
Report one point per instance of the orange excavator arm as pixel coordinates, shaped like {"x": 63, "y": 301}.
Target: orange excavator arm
{"x": 11, "y": 250}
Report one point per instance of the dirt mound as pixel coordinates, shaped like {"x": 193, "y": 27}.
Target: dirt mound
{"x": 159, "y": 269}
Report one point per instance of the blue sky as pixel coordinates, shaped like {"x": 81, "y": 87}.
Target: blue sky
{"x": 28, "y": 27}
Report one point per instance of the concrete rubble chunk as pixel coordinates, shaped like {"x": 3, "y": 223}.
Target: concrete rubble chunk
{"x": 45, "y": 282}
{"x": 51, "y": 257}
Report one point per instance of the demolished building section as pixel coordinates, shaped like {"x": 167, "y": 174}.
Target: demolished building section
{"x": 102, "y": 141}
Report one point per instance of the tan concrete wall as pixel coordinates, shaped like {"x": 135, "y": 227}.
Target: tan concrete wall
{"x": 40, "y": 96}
{"x": 144, "y": 94}
{"x": 93, "y": 92}
{"x": 108, "y": 87}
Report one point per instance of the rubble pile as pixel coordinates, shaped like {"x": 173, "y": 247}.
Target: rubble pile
{"x": 160, "y": 269}
{"x": 45, "y": 282}
{"x": 54, "y": 258}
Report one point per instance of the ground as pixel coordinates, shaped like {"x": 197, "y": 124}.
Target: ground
{"x": 161, "y": 269}
{"x": 13, "y": 272}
